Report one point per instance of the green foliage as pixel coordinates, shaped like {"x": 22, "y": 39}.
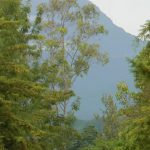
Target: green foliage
{"x": 28, "y": 115}
{"x": 123, "y": 95}
{"x": 86, "y": 138}
{"x": 135, "y": 129}
{"x": 110, "y": 118}
{"x": 145, "y": 31}
{"x": 34, "y": 94}
{"x": 16, "y": 86}
{"x": 101, "y": 144}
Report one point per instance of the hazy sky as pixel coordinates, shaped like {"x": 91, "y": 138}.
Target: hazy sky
{"x": 128, "y": 14}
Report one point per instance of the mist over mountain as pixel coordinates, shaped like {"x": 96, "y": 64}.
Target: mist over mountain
{"x": 103, "y": 79}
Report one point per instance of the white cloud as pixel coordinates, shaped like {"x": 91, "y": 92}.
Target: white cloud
{"x": 128, "y": 14}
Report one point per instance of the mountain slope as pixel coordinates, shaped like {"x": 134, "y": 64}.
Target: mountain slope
{"x": 101, "y": 80}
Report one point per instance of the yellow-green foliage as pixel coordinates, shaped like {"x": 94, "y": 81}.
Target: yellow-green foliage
{"x": 135, "y": 133}
{"x": 27, "y": 106}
